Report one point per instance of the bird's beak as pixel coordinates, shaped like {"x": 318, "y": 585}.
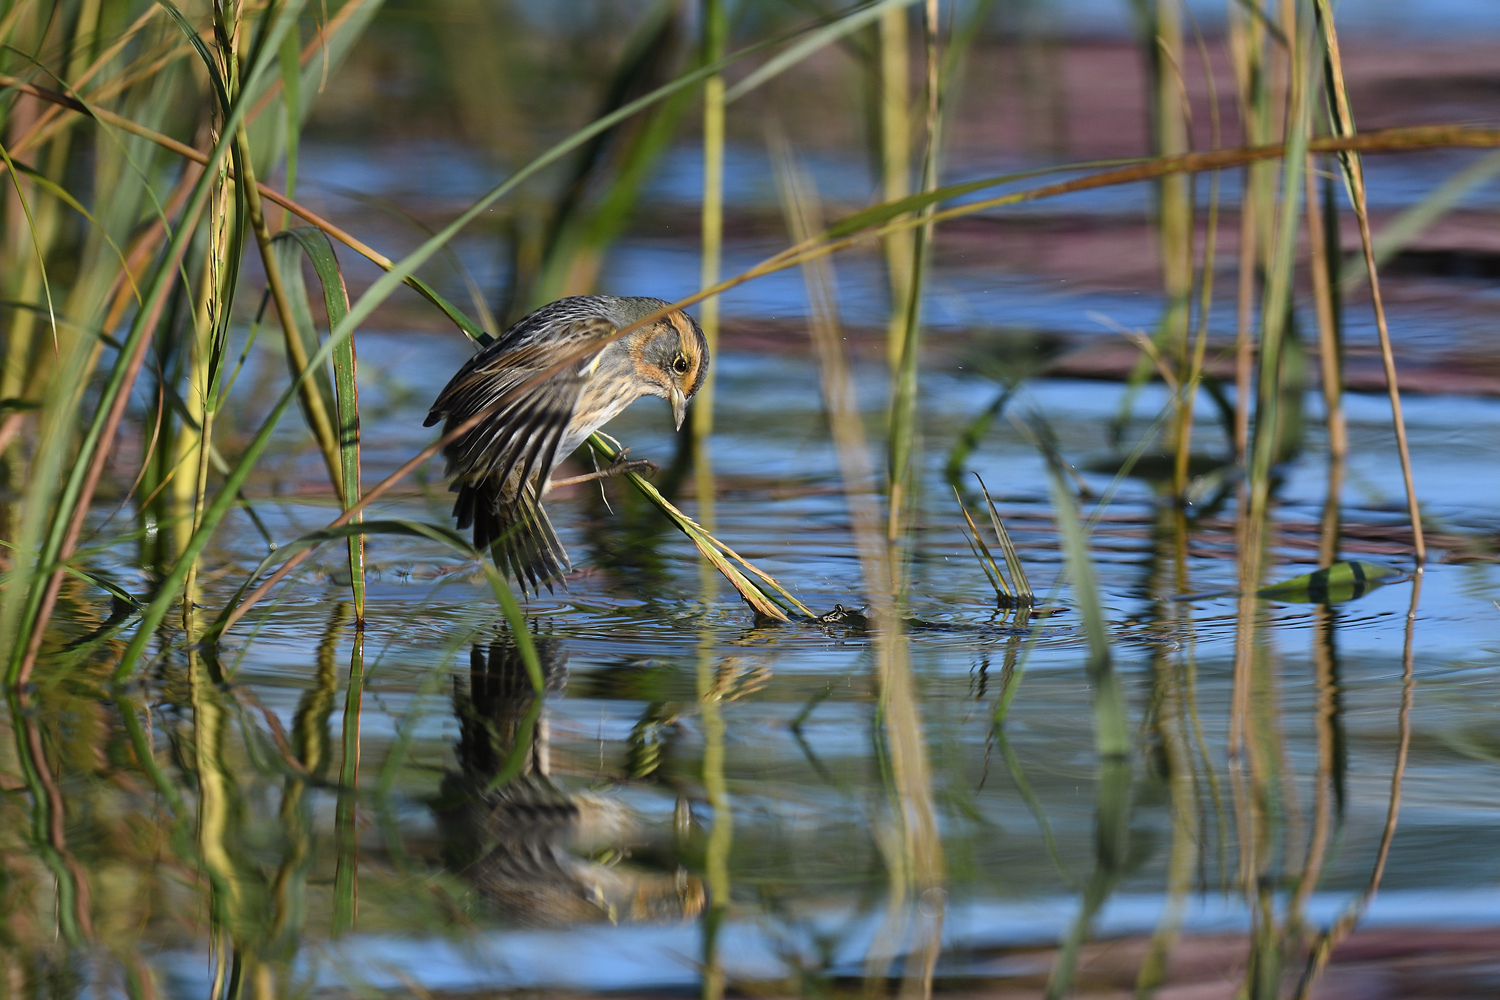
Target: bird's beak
{"x": 679, "y": 406}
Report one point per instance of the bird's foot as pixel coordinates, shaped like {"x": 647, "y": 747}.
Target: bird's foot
{"x": 619, "y": 467}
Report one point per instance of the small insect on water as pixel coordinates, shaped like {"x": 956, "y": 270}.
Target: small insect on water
{"x": 503, "y": 466}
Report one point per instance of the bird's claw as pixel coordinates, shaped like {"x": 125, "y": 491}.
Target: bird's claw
{"x": 622, "y": 464}
{"x": 618, "y": 467}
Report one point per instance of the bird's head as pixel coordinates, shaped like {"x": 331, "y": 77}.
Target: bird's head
{"x": 670, "y": 357}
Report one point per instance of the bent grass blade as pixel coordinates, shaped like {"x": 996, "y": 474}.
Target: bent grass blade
{"x": 325, "y": 263}
{"x": 772, "y": 600}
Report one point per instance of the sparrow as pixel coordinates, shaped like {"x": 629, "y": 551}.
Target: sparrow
{"x": 504, "y": 465}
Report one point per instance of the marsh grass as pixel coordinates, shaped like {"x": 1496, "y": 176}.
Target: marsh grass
{"x": 137, "y": 142}
{"x": 1017, "y": 591}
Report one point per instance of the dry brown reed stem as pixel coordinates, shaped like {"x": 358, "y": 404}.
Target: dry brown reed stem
{"x": 1355, "y": 172}
{"x": 1247, "y": 43}
{"x": 146, "y": 246}
{"x": 41, "y": 129}
{"x": 1206, "y": 288}
{"x": 1244, "y": 347}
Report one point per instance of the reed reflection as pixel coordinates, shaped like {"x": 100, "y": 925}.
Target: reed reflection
{"x": 535, "y": 848}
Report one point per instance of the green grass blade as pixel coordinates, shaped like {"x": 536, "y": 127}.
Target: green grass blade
{"x": 36, "y": 240}
{"x": 878, "y": 215}
{"x": 1024, "y": 592}
{"x": 66, "y": 197}
{"x": 288, "y": 253}
{"x": 772, "y": 600}
{"x": 981, "y": 551}
{"x": 325, "y": 263}
{"x": 291, "y": 93}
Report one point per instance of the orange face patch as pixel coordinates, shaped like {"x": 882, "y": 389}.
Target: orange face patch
{"x": 688, "y": 338}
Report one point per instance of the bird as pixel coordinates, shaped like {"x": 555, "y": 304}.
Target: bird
{"x": 503, "y": 466}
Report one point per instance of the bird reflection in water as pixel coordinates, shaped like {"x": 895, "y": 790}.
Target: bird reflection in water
{"x": 538, "y": 851}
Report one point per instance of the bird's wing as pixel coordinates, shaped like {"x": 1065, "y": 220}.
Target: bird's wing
{"x": 522, "y": 435}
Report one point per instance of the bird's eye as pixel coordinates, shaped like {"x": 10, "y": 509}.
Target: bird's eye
{"x": 680, "y": 365}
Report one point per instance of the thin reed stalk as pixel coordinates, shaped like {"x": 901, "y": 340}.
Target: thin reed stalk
{"x": 313, "y": 401}
{"x": 1247, "y": 41}
{"x": 715, "y": 40}
{"x": 1354, "y": 174}
{"x": 1172, "y": 119}
{"x": 1323, "y": 257}
{"x": 895, "y": 165}
{"x": 902, "y": 440}
{"x": 1111, "y": 740}
{"x": 1193, "y": 375}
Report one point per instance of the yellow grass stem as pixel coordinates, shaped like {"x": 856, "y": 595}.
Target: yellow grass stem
{"x": 1194, "y": 374}
{"x": 1175, "y": 200}
{"x": 903, "y": 432}
{"x": 715, "y": 37}
{"x": 895, "y": 163}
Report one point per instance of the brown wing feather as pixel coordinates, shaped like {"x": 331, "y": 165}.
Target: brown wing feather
{"x": 502, "y": 464}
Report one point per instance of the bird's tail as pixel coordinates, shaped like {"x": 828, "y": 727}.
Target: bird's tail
{"x": 517, "y": 533}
